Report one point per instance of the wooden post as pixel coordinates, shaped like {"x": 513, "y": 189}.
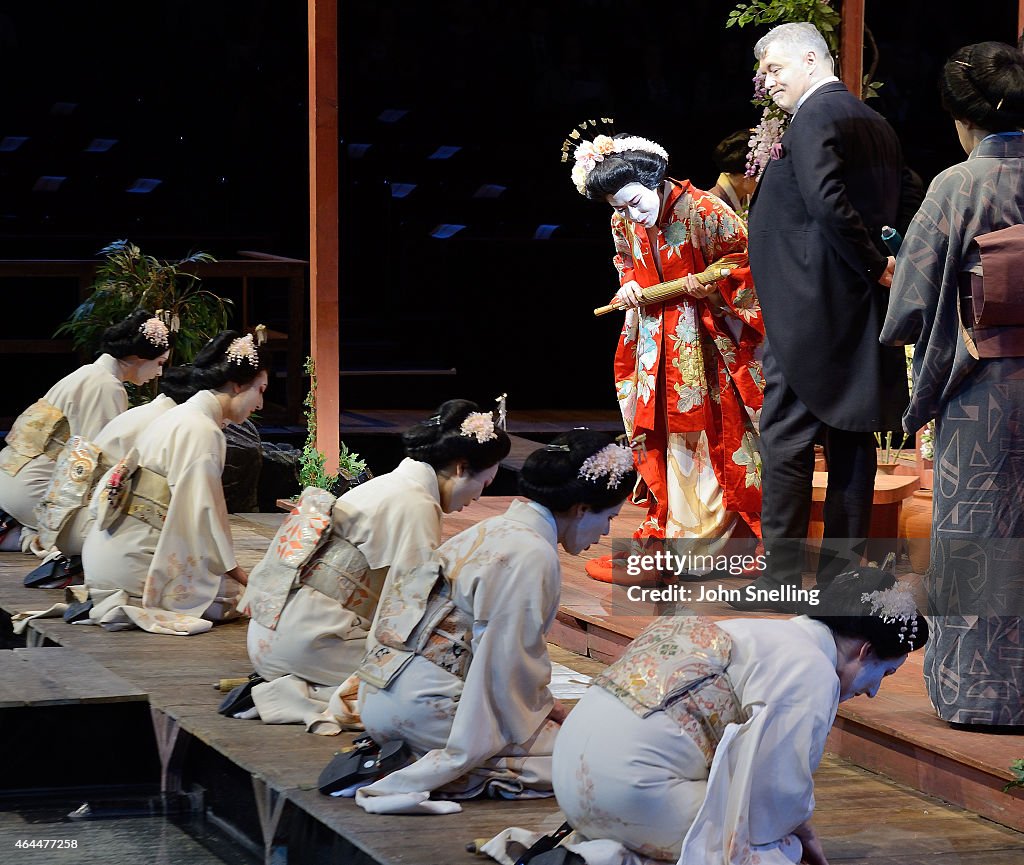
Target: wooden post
{"x": 1020, "y": 18}
{"x": 851, "y": 47}
{"x": 323, "y": 221}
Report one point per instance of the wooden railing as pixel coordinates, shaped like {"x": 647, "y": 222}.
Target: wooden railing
{"x": 249, "y": 266}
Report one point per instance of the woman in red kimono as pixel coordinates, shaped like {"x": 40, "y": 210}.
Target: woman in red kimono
{"x": 686, "y": 373}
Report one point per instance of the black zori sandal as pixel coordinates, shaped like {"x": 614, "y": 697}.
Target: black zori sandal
{"x": 365, "y": 760}
{"x": 240, "y": 699}
{"x": 545, "y": 850}
{"x": 58, "y": 572}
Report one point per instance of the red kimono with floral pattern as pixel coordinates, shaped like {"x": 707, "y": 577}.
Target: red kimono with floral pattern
{"x": 678, "y": 366}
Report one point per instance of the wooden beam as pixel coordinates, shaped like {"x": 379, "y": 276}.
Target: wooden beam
{"x": 851, "y": 46}
{"x": 322, "y": 25}
{"x": 1020, "y": 18}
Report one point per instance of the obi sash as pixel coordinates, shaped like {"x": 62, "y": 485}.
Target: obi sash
{"x": 678, "y": 666}
{"x": 135, "y": 491}
{"x": 339, "y": 570}
{"x": 303, "y": 532}
{"x": 79, "y": 467}
{"x": 996, "y": 296}
{"x": 40, "y": 429}
{"x": 418, "y": 617}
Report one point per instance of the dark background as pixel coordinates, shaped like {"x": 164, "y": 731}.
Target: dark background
{"x": 209, "y": 98}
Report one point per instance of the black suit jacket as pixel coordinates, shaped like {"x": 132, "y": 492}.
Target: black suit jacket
{"x": 816, "y": 256}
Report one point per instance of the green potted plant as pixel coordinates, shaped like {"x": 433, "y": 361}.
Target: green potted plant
{"x": 127, "y": 280}
{"x": 352, "y": 470}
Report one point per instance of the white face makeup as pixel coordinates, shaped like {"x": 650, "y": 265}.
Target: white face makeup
{"x": 465, "y": 487}
{"x": 248, "y": 399}
{"x": 637, "y": 203}
{"x": 147, "y": 370}
{"x": 864, "y": 676}
{"x": 588, "y": 528}
{"x": 787, "y": 76}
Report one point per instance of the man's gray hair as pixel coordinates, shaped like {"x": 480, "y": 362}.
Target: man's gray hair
{"x": 794, "y": 39}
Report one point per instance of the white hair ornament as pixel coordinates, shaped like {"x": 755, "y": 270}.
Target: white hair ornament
{"x": 895, "y": 604}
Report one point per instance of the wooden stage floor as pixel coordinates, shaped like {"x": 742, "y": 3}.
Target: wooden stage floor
{"x": 864, "y": 818}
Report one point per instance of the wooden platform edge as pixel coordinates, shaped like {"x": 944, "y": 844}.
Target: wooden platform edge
{"x": 927, "y": 770}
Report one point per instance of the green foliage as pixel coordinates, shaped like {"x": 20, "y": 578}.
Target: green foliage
{"x": 1017, "y": 767}
{"x": 312, "y": 472}
{"x": 817, "y": 12}
{"x": 128, "y": 280}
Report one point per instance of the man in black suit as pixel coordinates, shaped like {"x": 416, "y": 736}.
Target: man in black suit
{"x": 822, "y": 276}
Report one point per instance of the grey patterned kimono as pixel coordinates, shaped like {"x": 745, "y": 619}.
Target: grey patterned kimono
{"x": 974, "y": 662}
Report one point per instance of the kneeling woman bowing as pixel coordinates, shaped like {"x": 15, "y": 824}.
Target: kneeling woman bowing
{"x": 700, "y": 743}
{"x": 160, "y": 556}
{"x": 457, "y": 664}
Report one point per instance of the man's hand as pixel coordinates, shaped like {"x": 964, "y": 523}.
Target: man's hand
{"x": 630, "y": 295}
{"x": 885, "y": 280}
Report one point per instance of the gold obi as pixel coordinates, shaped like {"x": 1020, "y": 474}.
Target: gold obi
{"x": 149, "y": 498}
{"x": 339, "y": 570}
{"x": 418, "y": 617}
{"x": 79, "y": 467}
{"x": 678, "y": 666}
{"x": 40, "y": 429}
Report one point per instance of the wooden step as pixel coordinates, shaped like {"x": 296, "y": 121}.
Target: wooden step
{"x": 56, "y": 676}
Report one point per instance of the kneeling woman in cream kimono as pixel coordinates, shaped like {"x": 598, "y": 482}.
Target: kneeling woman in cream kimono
{"x": 160, "y": 555}
{"x": 64, "y": 518}
{"x": 314, "y": 595}
{"x": 458, "y": 666}
{"x": 80, "y": 404}
{"x": 699, "y": 744}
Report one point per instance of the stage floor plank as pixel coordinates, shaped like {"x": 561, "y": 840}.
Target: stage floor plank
{"x": 864, "y": 819}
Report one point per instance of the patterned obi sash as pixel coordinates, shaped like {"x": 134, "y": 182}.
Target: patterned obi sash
{"x": 150, "y": 498}
{"x": 40, "y": 429}
{"x": 299, "y": 537}
{"x": 678, "y": 666}
{"x": 79, "y": 468}
{"x": 129, "y": 489}
{"x": 418, "y": 617}
{"x": 339, "y": 570}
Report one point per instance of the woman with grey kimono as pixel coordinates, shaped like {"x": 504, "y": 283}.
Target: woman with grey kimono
{"x": 952, "y": 296}
{"x": 457, "y": 665}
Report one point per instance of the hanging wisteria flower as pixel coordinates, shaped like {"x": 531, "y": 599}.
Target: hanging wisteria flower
{"x": 155, "y": 332}
{"x": 479, "y": 425}
{"x": 243, "y": 350}
{"x": 612, "y": 461}
{"x": 767, "y": 134}
{"x": 895, "y": 604}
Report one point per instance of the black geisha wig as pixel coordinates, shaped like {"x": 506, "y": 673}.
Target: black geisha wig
{"x": 441, "y": 440}
{"x": 620, "y": 169}
{"x": 578, "y": 467}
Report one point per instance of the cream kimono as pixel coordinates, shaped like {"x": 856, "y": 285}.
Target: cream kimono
{"x": 315, "y": 642}
{"x": 646, "y": 783}
{"x": 89, "y": 398}
{"x": 112, "y": 443}
{"x": 170, "y": 581}
{"x": 478, "y": 724}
